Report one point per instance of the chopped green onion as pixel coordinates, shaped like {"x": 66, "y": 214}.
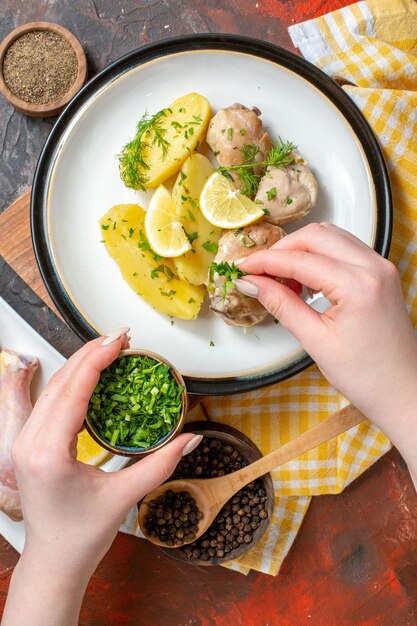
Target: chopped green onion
{"x": 136, "y": 402}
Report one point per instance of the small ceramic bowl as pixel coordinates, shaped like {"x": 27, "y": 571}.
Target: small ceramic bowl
{"x": 56, "y": 106}
{"x": 141, "y": 452}
{"x": 249, "y": 451}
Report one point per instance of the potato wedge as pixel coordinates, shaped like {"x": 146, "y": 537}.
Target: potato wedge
{"x": 163, "y": 142}
{"x": 150, "y": 276}
{"x": 193, "y": 265}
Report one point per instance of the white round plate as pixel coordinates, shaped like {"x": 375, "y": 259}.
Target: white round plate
{"x": 77, "y": 181}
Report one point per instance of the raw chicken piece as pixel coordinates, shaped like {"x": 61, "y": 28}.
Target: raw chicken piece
{"x": 237, "y": 309}
{"x": 233, "y": 128}
{"x": 288, "y": 193}
{"x": 16, "y": 373}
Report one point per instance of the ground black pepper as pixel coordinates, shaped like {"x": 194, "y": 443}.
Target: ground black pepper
{"x": 40, "y": 67}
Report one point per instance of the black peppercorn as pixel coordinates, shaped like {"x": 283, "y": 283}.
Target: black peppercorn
{"x": 235, "y": 523}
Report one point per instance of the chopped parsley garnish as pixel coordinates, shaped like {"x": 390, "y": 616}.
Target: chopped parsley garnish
{"x": 143, "y": 244}
{"x": 230, "y": 273}
{"x": 212, "y": 343}
{"x": 191, "y": 236}
{"x": 265, "y": 210}
{"x": 289, "y": 201}
{"x": 131, "y": 231}
{"x": 210, "y": 246}
{"x": 169, "y": 293}
{"x": 136, "y": 402}
{"x": 230, "y": 134}
{"x": 162, "y": 269}
{"x": 271, "y": 193}
{"x": 132, "y": 164}
{"x": 243, "y": 131}
{"x": 194, "y": 203}
{"x": 191, "y": 300}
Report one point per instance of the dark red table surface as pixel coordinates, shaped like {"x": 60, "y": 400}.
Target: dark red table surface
{"x": 355, "y": 558}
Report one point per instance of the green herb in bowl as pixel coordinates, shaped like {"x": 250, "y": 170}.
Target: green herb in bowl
{"x": 139, "y": 400}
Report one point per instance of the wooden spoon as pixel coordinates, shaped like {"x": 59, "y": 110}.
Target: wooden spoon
{"x": 211, "y": 494}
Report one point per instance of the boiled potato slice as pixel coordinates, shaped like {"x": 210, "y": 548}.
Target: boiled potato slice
{"x": 149, "y": 275}
{"x": 193, "y": 265}
{"x": 163, "y": 142}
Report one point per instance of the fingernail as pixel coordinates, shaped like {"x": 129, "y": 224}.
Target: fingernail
{"x": 239, "y": 261}
{"x": 191, "y": 445}
{"x": 115, "y": 335}
{"x": 247, "y": 288}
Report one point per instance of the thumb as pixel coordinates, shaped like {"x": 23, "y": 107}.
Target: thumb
{"x": 284, "y": 304}
{"x": 138, "y": 480}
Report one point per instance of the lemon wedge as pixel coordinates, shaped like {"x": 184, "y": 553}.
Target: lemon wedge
{"x": 88, "y": 451}
{"x": 163, "y": 226}
{"x": 224, "y": 206}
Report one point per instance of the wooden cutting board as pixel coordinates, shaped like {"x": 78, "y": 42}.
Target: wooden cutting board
{"x": 16, "y": 246}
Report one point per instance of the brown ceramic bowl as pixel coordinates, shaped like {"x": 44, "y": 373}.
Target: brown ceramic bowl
{"x": 56, "y": 106}
{"x": 141, "y": 452}
{"x": 250, "y": 452}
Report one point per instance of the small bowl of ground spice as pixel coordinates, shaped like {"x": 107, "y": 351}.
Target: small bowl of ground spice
{"x": 42, "y": 67}
{"x": 242, "y": 521}
{"x": 139, "y": 404}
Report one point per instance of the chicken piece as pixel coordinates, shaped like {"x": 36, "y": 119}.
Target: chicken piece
{"x": 288, "y": 193}
{"x": 16, "y": 373}
{"x": 237, "y": 309}
{"x": 233, "y": 128}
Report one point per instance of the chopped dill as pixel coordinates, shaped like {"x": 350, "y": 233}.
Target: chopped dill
{"x": 280, "y": 155}
{"x": 132, "y": 163}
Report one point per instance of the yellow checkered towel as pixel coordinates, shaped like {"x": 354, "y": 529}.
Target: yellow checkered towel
{"x": 371, "y": 48}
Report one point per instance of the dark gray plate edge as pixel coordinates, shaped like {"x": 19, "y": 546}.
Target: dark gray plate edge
{"x": 236, "y": 43}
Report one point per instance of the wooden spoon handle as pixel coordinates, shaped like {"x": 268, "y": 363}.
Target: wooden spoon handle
{"x": 334, "y": 425}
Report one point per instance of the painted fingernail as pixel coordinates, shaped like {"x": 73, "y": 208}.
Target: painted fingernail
{"x": 239, "y": 261}
{"x": 191, "y": 445}
{"x": 247, "y": 288}
{"x": 115, "y": 335}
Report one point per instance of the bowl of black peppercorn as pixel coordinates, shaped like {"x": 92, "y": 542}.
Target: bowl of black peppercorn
{"x": 242, "y": 521}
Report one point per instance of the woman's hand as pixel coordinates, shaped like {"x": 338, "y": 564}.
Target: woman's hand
{"x": 364, "y": 343}
{"x": 72, "y": 511}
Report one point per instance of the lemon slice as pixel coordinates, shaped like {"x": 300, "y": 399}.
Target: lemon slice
{"x": 224, "y": 206}
{"x": 88, "y": 451}
{"x": 163, "y": 227}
